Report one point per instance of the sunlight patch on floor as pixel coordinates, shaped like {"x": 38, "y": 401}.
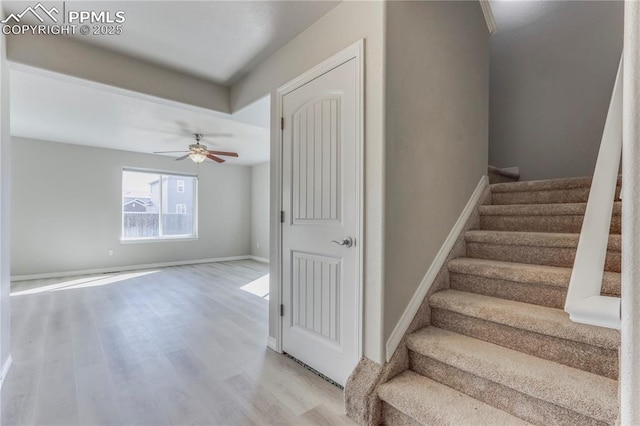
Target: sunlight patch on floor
{"x": 259, "y": 287}
{"x": 85, "y": 282}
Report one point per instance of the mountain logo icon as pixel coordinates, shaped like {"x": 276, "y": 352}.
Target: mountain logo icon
{"x": 38, "y": 11}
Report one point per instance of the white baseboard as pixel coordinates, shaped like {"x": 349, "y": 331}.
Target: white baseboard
{"x": 271, "y": 343}
{"x": 125, "y": 268}
{"x": 259, "y": 259}
{"x": 422, "y": 290}
{"x": 5, "y": 369}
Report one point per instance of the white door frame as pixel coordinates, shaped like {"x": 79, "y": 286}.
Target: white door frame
{"x": 355, "y": 51}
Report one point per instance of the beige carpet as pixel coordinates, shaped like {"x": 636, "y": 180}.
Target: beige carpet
{"x": 500, "y": 350}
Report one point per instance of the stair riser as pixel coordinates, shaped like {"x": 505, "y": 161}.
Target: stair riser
{"x": 496, "y": 178}
{"x": 538, "y": 294}
{"x": 526, "y": 407}
{"x": 574, "y": 354}
{"x": 552, "y": 296}
{"x": 391, "y": 416}
{"x": 559, "y": 223}
{"x": 573, "y": 195}
{"x": 551, "y": 256}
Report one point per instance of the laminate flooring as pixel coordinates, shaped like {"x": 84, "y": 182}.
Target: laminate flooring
{"x": 171, "y": 346}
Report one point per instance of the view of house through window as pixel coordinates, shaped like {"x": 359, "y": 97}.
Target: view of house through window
{"x": 158, "y": 205}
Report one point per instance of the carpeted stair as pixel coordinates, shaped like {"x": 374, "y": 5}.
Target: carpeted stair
{"x": 500, "y": 350}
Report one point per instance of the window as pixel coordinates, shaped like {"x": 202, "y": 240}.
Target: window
{"x": 164, "y": 207}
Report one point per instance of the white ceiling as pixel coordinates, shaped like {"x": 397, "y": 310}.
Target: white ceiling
{"x": 510, "y": 14}
{"x": 219, "y": 41}
{"x": 63, "y": 110}
{"x": 216, "y": 40}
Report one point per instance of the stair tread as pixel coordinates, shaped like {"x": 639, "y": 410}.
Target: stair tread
{"x": 524, "y": 272}
{"x": 542, "y": 185}
{"x": 525, "y": 316}
{"x": 586, "y": 393}
{"x": 554, "y": 209}
{"x": 545, "y": 184}
{"x": 539, "y": 239}
{"x": 430, "y": 402}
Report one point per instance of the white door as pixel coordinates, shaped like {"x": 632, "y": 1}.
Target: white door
{"x": 320, "y": 261}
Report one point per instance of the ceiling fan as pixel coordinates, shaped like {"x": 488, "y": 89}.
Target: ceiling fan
{"x": 198, "y": 153}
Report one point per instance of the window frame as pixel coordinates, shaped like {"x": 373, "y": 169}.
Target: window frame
{"x": 161, "y": 238}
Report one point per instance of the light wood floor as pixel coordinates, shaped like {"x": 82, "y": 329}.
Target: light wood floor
{"x": 182, "y": 346}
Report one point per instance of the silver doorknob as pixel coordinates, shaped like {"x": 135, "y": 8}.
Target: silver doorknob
{"x": 348, "y": 241}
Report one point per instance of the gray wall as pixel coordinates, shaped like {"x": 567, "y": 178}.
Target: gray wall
{"x": 437, "y": 100}
{"x": 66, "y": 209}
{"x": 260, "y": 210}
{"x": 553, "y": 65}
{"x": 5, "y": 201}
{"x": 339, "y": 28}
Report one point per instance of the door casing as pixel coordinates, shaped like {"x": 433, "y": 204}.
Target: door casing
{"x": 355, "y": 51}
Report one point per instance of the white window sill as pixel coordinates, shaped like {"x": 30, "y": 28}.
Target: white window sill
{"x": 158, "y": 240}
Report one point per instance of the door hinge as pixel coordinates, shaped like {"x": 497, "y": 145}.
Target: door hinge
{"x": 282, "y": 123}
{"x": 281, "y": 310}
{"x": 281, "y": 216}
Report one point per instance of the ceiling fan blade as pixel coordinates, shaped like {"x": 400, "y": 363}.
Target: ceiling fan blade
{"x": 218, "y": 135}
{"x": 183, "y": 157}
{"x": 167, "y": 152}
{"x": 228, "y": 154}
{"x": 214, "y": 158}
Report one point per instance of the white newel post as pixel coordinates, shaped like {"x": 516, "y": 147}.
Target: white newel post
{"x": 630, "y": 326}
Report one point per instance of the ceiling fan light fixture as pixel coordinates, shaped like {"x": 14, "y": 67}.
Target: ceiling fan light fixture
{"x": 197, "y": 157}
{"x": 198, "y": 152}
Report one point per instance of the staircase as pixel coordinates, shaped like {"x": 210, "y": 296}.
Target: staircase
{"x": 500, "y": 350}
